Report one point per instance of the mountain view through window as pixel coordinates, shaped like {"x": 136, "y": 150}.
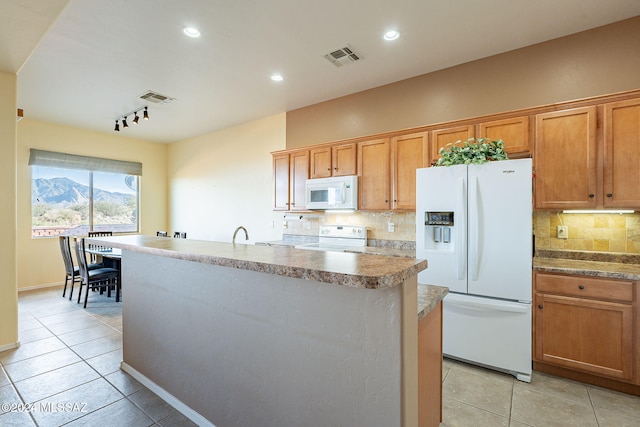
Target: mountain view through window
{"x": 73, "y": 202}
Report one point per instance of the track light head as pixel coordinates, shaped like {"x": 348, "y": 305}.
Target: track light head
{"x": 135, "y": 117}
{"x": 146, "y": 114}
{"x": 117, "y": 128}
{"x": 124, "y": 122}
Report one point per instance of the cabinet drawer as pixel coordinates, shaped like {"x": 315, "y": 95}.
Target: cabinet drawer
{"x": 585, "y": 287}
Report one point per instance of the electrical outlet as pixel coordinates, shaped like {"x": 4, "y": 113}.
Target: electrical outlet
{"x": 563, "y": 232}
{"x": 391, "y": 227}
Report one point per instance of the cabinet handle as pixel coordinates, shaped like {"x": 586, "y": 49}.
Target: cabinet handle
{"x": 328, "y": 169}
{"x": 581, "y": 287}
{"x": 591, "y": 196}
{"x": 609, "y": 195}
{"x": 540, "y": 307}
{"x": 335, "y": 168}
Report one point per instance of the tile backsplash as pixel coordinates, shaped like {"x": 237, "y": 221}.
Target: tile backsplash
{"x": 588, "y": 232}
{"x": 377, "y": 223}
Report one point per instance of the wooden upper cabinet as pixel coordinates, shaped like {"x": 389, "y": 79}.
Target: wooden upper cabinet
{"x": 298, "y": 175}
{"x": 320, "y": 162}
{"x": 343, "y": 158}
{"x": 336, "y": 160}
{"x": 408, "y": 153}
{"x": 441, "y": 137}
{"x": 513, "y": 132}
{"x": 373, "y": 168}
{"x": 622, "y": 154}
{"x": 281, "y": 182}
{"x": 565, "y": 159}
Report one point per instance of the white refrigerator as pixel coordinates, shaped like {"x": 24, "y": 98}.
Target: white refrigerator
{"x": 474, "y": 227}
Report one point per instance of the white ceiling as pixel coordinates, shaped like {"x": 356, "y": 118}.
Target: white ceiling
{"x": 90, "y": 64}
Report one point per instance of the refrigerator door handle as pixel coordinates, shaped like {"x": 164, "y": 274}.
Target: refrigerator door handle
{"x": 461, "y": 229}
{"x": 474, "y": 229}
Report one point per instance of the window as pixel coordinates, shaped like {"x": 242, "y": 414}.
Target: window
{"x": 88, "y": 195}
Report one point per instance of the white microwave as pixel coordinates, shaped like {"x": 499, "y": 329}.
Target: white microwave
{"x": 339, "y": 192}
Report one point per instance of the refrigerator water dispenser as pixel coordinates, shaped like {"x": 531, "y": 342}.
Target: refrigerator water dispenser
{"x": 438, "y": 230}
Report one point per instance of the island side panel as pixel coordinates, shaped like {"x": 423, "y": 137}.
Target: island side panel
{"x": 246, "y": 348}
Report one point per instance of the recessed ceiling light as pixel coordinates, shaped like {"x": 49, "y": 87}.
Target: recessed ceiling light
{"x": 277, "y": 77}
{"x": 391, "y": 35}
{"x": 191, "y": 32}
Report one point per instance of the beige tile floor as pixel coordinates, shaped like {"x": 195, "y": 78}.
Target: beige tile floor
{"x": 474, "y": 396}
{"x": 69, "y": 359}
{"x": 71, "y": 356}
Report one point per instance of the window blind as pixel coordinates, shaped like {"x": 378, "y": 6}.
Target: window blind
{"x": 72, "y": 161}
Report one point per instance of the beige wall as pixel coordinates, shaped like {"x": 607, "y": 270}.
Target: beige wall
{"x": 39, "y": 261}
{"x": 596, "y": 62}
{"x": 8, "y": 282}
{"x": 223, "y": 179}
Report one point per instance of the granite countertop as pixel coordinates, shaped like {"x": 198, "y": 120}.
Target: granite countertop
{"x": 428, "y": 297}
{"x": 341, "y": 268}
{"x": 586, "y": 263}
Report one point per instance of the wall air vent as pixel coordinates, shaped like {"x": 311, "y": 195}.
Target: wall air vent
{"x": 343, "y": 56}
{"x": 156, "y": 98}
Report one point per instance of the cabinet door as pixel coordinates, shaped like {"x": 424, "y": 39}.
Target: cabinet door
{"x": 430, "y": 369}
{"x": 280, "y": 182}
{"x": 565, "y": 159}
{"x": 320, "y": 162}
{"x": 298, "y": 175}
{"x": 344, "y": 159}
{"x": 513, "y": 132}
{"x": 622, "y": 154}
{"x": 373, "y": 168}
{"x": 408, "y": 153}
{"x": 587, "y": 335}
{"x": 440, "y": 138}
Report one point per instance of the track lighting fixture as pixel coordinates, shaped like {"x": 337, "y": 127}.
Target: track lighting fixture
{"x": 136, "y": 118}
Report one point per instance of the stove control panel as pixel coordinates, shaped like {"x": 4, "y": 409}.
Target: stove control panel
{"x": 343, "y": 231}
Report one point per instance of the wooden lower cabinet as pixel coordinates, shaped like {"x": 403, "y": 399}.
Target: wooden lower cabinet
{"x": 585, "y": 324}
{"x": 430, "y": 368}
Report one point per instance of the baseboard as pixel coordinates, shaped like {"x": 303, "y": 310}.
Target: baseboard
{"x": 48, "y": 285}
{"x": 166, "y": 396}
{"x": 10, "y": 346}
{"x": 583, "y": 377}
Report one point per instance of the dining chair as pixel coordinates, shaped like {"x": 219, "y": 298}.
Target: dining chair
{"x": 180, "y": 235}
{"x": 161, "y": 233}
{"x": 72, "y": 272}
{"x": 100, "y": 278}
{"x": 94, "y": 257}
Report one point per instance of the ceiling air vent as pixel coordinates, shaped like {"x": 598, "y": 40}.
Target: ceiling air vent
{"x": 156, "y": 98}
{"x": 343, "y": 56}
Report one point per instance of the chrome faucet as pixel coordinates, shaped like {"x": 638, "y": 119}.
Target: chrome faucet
{"x": 246, "y": 234}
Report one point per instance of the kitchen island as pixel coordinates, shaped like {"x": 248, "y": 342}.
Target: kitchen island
{"x": 249, "y": 335}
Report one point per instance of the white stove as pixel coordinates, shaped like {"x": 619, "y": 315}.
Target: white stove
{"x": 338, "y": 238}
